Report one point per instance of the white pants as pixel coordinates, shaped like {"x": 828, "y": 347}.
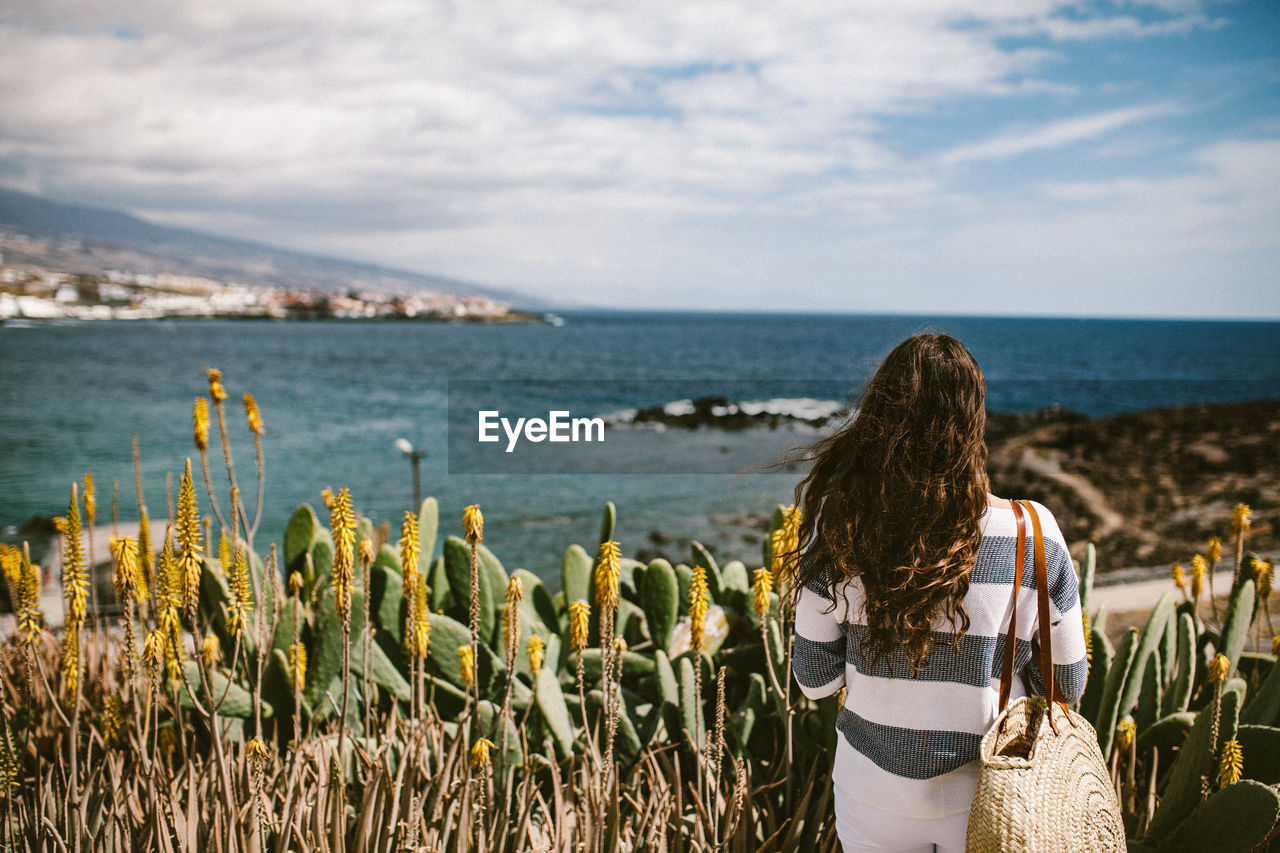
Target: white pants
{"x": 862, "y": 828}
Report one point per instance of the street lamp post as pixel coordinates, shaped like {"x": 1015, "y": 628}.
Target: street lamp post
{"x": 415, "y": 456}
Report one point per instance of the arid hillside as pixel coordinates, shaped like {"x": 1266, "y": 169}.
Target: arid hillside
{"x": 1147, "y": 488}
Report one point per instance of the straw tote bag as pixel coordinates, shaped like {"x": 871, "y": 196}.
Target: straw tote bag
{"x": 1043, "y": 786}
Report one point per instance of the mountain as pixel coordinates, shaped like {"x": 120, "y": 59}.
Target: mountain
{"x": 83, "y": 239}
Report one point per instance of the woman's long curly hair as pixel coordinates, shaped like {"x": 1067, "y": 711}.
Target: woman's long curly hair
{"x": 896, "y": 496}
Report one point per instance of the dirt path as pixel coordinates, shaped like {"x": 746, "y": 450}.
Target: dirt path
{"x": 1050, "y": 467}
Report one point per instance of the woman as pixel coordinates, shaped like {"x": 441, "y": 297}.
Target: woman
{"x": 905, "y": 588}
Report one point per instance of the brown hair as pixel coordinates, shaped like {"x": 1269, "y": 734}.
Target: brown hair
{"x": 896, "y": 495}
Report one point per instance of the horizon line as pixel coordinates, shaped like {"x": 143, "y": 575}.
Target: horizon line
{"x": 1175, "y": 318}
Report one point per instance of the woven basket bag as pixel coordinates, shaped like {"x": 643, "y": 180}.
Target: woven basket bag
{"x": 1043, "y": 786}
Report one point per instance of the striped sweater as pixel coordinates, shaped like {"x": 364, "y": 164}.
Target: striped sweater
{"x": 910, "y": 745}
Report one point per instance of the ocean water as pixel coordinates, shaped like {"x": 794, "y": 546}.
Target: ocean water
{"x": 336, "y": 395}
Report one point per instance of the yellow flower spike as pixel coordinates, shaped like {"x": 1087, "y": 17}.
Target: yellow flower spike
{"x": 760, "y": 589}
{"x": 619, "y": 646}
{"x": 342, "y": 524}
{"x": 295, "y": 583}
{"x": 124, "y": 565}
{"x": 791, "y": 518}
{"x": 11, "y": 564}
{"x": 466, "y": 665}
{"x": 71, "y": 658}
{"x": 90, "y": 500}
{"x": 1214, "y": 549}
{"x": 174, "y": 670}
{"x": 169, "y": 588}
{"x": 473, "y": 523}
{"x": 1125, "y": 733}
{"x": 1198, "y": 568}
{"x": 1179, "y": 577}
{"x": 190, "y": 545}
{"x": 216, "y": 391}
{"x": 211, "y": 650}
{"x": 200, "y": 424}
{"x": 1240, "y": 518}
{"x": 60, "y": 524}
{"x": 1088, "y": 635}
{"x": 29, "y": 599}
{"x": 606, "y": 575}
{"x": 410, "y": 550}
{"x": 699, "y": 598}
{"x": 10, "y": 775}
{"x": 173, "y": 652}
{"x": 511, "y": 614}
{"x": 1263, "y": 576}
{"x": 241, "y": 593}
{"x": 144, "y": 556}
{"x": 421, "y": 637}
{"x": 111, "y": 719}
{"x": 326, "y": 495}
{"x": 224, "y": 554}
{"x": 75, "y": 574}
{"x": 257, "y": 749}
{"x": 367, "y": 551}
{"x": 168, "y": 739}
{"x": 777, "y": 547}
{"x": 480, "y": 752}
{"x": 253, "y": 415}
{"x": 784, "y": 542}
{"x": 537, "y": 649}
{"x": 1231, "y": 764}
{"x": 1218, "y": 669}
{"x": 420, "y": 631}
{"x": 298, "y": 666}
{"x": 579, "y": 619}
{"x": 153, "y": 649}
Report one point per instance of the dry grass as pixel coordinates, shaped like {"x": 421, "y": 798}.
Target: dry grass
{"x": 150, "y": 779}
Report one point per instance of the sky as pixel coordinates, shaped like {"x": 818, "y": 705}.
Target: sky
{"x": 885, "y": 156}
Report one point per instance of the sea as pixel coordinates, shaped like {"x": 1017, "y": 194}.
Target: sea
{"x": 337, "y": 397}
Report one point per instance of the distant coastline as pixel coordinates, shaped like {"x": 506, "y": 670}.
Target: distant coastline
{"x": 61, "y": 262}
{"x": 35, "y": 294}
{"x": 512, "y": 316}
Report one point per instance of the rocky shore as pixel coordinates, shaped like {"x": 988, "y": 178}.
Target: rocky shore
{"x": 1148, "y": 488}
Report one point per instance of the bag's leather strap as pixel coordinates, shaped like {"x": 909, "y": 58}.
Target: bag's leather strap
{"x": 1011, "y": 635}
{"x": 1042, "y": 611}
{"x": 1045, "y": 653}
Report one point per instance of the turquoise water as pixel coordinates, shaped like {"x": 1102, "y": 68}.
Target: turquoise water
{"x": 336, "y": 395}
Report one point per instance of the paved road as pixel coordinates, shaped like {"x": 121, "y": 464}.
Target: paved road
{"x": 1143, "y": 595}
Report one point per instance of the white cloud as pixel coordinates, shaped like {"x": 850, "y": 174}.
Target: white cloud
{"x": 671, "y": 151}
{"x": 1057, "y": 134}
{"x": 1124, "y": 26}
